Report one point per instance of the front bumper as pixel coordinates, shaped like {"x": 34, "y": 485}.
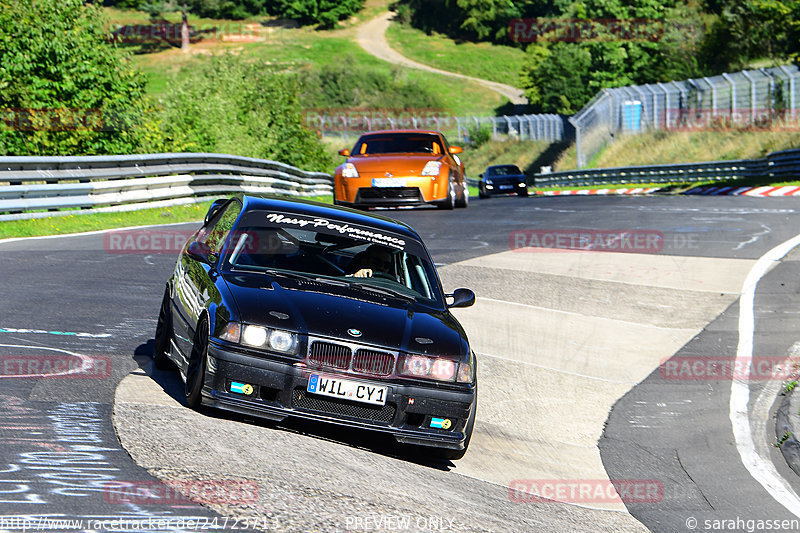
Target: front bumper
{"x": 279, "y": 391}
{"x": 504, "y": 187}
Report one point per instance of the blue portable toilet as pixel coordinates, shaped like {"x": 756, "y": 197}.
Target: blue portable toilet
{"x": 632, "y": 115}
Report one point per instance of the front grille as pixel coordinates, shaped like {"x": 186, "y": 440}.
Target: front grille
{"x": 383, "y": 193}
{"x": 376, "y": 413}
{"x": 330, "y": 355}
{"x": 373, "y": 362}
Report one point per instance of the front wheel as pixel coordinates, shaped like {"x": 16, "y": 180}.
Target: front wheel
{"x": 463, "y": 198}
{"x": 196, "y": 371}
{"x": 163, "y": 335}
{"x": 449, "y": 202}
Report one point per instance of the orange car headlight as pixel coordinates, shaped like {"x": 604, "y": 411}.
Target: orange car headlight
{"x": 349, "y": 171}
{"x": 432, "y": 168}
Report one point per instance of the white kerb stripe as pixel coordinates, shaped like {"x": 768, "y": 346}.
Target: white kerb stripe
{"x": 761, "y": 469}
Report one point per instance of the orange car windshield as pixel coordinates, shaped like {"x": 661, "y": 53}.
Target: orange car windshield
{"x": 398, "y": 144}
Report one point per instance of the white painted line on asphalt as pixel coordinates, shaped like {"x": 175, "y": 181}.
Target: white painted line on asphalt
{"x": 94, "y": 232}
{"x": 51, "y": 332}
{"x": 760, "y": 468}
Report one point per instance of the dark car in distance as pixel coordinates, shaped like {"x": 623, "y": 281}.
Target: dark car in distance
{"x": 502, "y": 179}
{"x": 282, "y": 308}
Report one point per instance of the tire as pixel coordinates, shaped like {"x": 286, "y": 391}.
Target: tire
{"x": 163, "y": 335}
{"x": 454, "y": 455}
{"x": 482, "y": 195}
{"x": 463, "y": 200}
{"x": 449, "y": 202}
{"x": 196, "y": 370}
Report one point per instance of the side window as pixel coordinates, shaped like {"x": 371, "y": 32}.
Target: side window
{"x": 216, "y": 234}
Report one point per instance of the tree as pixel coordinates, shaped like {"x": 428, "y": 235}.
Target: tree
{"x": 557, "y": 78}
{"x": 63, "y": 88}
{"x": 326, "y": 13}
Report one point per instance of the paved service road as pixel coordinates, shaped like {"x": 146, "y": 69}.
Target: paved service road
{"x": 564, "y": 338}
{"x": 372, "y": 38}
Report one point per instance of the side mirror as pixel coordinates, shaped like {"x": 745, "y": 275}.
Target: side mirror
{"x": 480, "y": 176}
{"x": 345, "y": 152}
{"x": 199, "y": 251}
{"x": 462, "y": 298}
{"x": 214, "y": 209}
{"x": 455, "y": 150}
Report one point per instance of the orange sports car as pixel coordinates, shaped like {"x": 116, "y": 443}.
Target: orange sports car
{"x": 401, "y": 167}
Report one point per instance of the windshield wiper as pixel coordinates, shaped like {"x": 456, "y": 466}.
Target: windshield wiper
{"x": 383, "y": 291}
{"x": 304, "y": 277}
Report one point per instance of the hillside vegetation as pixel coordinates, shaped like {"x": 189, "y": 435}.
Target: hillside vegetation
{"x": 573, "y": 49}
{"x": 661, "y": 147}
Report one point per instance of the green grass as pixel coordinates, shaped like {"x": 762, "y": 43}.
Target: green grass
{"x": 480, "y": 60}
{"x": 524, "y": 154}
{"x": 298, "y": 48}
{"x": 62, "y": 225}
{"x": 661, "y": 147}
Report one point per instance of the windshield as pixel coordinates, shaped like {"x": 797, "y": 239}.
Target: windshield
{"x": 360, "y": 257}
{"x": 505, "y": 170}
{"x": 413, "y": 143}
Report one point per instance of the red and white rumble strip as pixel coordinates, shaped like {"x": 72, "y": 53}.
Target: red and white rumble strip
{"x": 787, "y": 190}
{"x": 639, "y": 190}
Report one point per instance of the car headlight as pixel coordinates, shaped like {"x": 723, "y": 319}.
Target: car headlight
{"x": 349, "y": 171}
{"x": 432, "y": 168}
{"x": 422, "y": 366}
{"x": 260, "y": 337}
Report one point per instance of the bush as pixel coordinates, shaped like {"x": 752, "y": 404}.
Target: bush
{"x": 229, "y": 105}
{"x": 348, "y": 84}
{"x": 479, "y": 136}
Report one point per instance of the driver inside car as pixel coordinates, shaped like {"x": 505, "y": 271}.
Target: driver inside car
{"x": 376, "y": 259}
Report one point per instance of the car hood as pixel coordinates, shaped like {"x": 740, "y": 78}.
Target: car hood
{"x": 395, "y": 163}
{"x": 322, "y": 310}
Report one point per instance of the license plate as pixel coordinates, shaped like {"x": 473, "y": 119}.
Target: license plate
{"x": 388, "y": 182}
{"x": 504, "y": 187}
{"x": 346, "y": 389}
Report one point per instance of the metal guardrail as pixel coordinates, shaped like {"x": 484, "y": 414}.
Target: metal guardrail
{"x": 52, "y": 183}
{"x": 777, "y": 166}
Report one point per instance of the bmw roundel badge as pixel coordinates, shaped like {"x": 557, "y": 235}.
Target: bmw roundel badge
{"x": 354, "y": 332}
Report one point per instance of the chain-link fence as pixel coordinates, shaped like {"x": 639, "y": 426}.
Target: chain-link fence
{"x": 764, "y": 98}
{"x": 345, "y": 124}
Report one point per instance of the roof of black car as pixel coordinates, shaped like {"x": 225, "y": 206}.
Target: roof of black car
{"x": 316, "y": 209}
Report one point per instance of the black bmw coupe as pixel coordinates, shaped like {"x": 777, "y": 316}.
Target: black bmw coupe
{"x": 283, "y": 308}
